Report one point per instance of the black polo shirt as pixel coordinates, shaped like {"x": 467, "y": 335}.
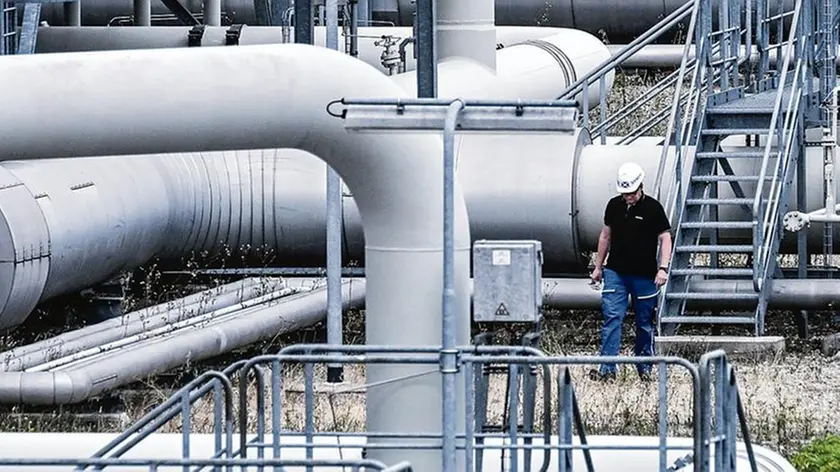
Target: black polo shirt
{"x": 635, "y": 232}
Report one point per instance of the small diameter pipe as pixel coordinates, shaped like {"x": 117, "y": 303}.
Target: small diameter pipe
{"x": 123, "y": 366}
{"x": 831, "y": 157}
{"x": 170, "y": 329}
{"x": 449, "y": 352}
{"x": 199, "y": 303}
{"x": 142, "y": 12}
{"x": 335, "y": 372}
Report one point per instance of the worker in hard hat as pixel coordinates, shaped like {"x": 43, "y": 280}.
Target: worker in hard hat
{"x": 627, "y": 264}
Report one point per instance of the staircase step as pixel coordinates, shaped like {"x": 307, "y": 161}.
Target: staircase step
{"x": 719, "y": 201}
{"x": 736, "y": 110}
{"x": 731, "y": 131}
{"x": 753, "y": 348}
{"x": 718, "y": 224}
{"x": 729, "y": 154}
{"x": 714, "y": 272}
{"x": 715, "y": 248}
{"x": 710, "y": 296}
{"x": 727, "y": 178}
{"x": 709, "y": 319}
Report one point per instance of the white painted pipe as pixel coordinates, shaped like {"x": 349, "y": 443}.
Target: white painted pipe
{"x": 279, "y": 100}
{"x": 669, "y": 56}
{"x": 77, "y": 382}
{"x": 534, "y": 69}
{"x": 205, "y": 301}
{"x": 170, "y": 331}
{"x": 56, "y": 39}
{"x": 466, "y": 29}
{"x": 168, "y": 445}
{"x": 532, "y": 59}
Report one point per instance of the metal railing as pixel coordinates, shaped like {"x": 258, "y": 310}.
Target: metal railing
{"x": 263, "y": 441}
{"x": 153, "y": 465}
{"x": 723, "y": 411}
{"x": 599, "y": 75}
{"x": 785, "y": 127}
{"x": 721, "y": 56}
{"x": 472, "y": 443}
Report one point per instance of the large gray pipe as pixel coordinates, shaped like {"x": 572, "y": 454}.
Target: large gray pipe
{"x": 565, "y": 54}
{"x": 280, "y": 101}
{"x": 556, "y": 198}
{"x": 82, "y": 381}
{"x": 195, "y": 202}
{"x": 618, "y": 21}
{"x": 669, "y": 56}
{"x": 815, "y": 294}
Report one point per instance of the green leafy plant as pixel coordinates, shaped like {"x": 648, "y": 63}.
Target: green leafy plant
{"x": 821, "y": 455}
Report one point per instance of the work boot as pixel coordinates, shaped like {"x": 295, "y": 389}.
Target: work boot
{"x": 597, "y": 376}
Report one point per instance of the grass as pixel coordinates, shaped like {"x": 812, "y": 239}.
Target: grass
{"x": 789, "y": 401}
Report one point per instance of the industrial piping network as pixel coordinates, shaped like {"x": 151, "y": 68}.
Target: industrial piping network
{"x": 189, "y": 200}
{"x": 285, "y": 94}
{"x": 196, "y": 202}
{"x": 387, "y": 48}
{"x": 402, "y": 167}
{"x": 180, "y": 210}
{"x": 617, "y": 21}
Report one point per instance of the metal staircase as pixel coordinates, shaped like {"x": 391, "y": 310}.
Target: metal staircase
{"x": 8, "y": 28}
{"x": 747, "y": 182}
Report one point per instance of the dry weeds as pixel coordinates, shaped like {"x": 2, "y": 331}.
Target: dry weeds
{"x": 788, "y": 402}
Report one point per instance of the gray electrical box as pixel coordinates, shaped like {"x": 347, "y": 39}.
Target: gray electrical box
{"x": 507, "y": 281}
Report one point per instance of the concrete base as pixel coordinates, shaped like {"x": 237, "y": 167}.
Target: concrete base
{"x": 736, "y": 347}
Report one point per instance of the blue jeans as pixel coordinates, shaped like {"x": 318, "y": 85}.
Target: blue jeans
{"x": 614, "y": 303}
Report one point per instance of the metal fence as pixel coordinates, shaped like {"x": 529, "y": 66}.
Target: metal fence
{"x": 261, "y": 441}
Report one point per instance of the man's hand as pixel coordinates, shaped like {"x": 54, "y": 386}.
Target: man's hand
{"x": 596, "y": 275}
{"x": 661, "y": 278}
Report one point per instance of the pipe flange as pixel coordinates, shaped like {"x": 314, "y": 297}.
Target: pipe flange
{"x": 795, "y": 221}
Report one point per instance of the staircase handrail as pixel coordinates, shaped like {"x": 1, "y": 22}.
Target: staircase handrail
{"x": 676, "y": 108}
{"x": 764, "y": 235}
{"x": 599, "y": 73}
{"x": 635, "y": 46}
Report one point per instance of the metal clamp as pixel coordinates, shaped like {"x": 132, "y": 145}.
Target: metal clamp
{"x": 232, "y": 35}
{"x": 450, "y": 361}
{"x": 195, "y": 35}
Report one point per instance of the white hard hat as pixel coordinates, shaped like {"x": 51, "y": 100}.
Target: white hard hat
{"x": 630, "y": 177}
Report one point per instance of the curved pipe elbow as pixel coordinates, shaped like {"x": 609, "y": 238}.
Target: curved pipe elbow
{"x": 44, "y": 388}
{"x": 534, "y": 69}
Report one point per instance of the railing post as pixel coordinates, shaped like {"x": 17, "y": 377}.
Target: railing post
{"x": 731, "y": 412}
{"x": 564, "y": 420}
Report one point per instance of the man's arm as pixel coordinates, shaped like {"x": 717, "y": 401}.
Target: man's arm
{"x": 665, "y": 248}
{"x": 603, "y": 246}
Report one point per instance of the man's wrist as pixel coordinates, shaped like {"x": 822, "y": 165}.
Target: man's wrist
{"x": 663, "y": 268}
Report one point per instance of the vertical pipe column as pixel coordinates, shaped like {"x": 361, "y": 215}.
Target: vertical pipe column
{"x": 426, "y": 49}
{"x": 73, "y": 13}
{"x": 304, "y": 29}
{"x": 213, "y": 12}
{"x": 449, "y": 335}
{"x": 278, "y": 12}
{"x": 363, "y": 12}
{"x": 142, "y": 13}
{"x": 467, "y": 29}
{"x": 334, "y": 311}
